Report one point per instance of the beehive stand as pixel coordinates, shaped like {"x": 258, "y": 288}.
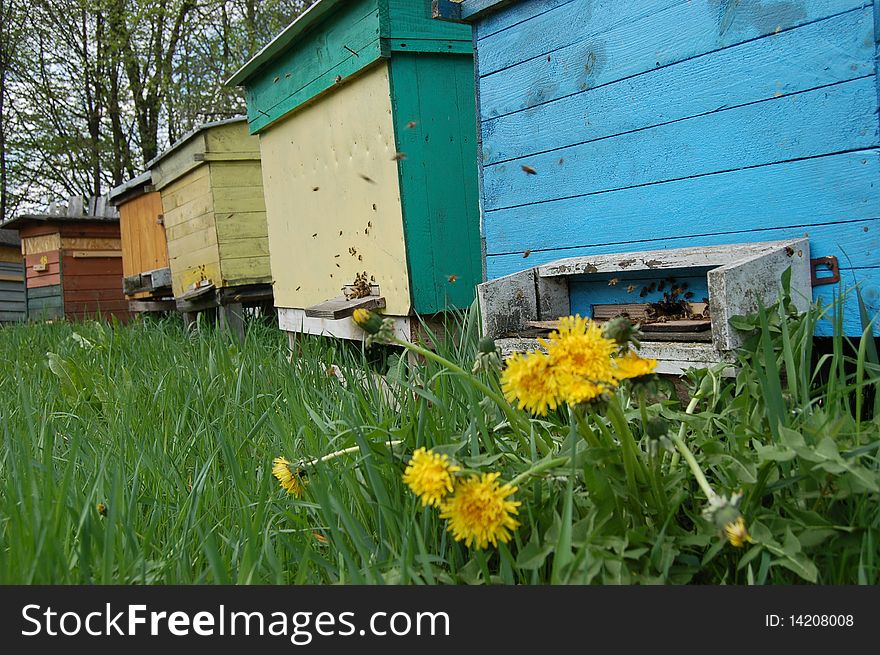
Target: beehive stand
{"x": 739, "y": 277}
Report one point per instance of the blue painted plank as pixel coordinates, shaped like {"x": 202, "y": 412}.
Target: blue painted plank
{"x": 541, "y": 30}
{"x": 829, "y": 189}
{"x": 789, "y": 62}
{"x": 514, "y": 14}
{"x": 823, "y": 121}
{"x": 607, "y": 49}
{"x": 857, "y": 242}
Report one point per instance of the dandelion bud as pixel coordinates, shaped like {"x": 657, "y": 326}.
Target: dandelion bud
{"x": 486, "y": 345}
{"x": 368, "y": 321}
{"x": 622, "y": 331}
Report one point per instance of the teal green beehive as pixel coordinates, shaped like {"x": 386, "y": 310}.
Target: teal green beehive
{"x": 367, "y": 122}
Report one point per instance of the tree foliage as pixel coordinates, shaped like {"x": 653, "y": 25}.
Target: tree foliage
{"x": 91, "y": 90}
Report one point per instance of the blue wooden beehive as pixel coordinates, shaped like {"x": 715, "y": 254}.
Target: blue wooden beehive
{"x": 610, "y": 127}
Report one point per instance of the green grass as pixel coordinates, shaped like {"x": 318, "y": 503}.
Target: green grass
{"x": 175, "y": 434}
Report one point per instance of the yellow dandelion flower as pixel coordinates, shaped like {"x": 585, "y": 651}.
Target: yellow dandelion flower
{"x": 581, "y": 358}
{"x": 632, "y": 366}
{"x": 290, "y": 479}
{"x": 737, "y": 534}
{"x": 430, "y": 476}
{"x": 528, "y": 381}
{"x": 479, "y": 511}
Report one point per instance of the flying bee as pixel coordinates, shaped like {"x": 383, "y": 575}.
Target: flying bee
{"x": 452, "y": 278}
{"x": 528, "y": 170}
{"x": 527, "y": 253}
{"x": 367, "y": 178}
{"x": 399, "y": 156}
{"x": 613, "y": 282}
{"x": 314, "y": 235}
{"x": 630, "y": 288}
{"x": 102, "y": 509}
{"x": 411, "y": 125}
{"x": 315, "y": 188}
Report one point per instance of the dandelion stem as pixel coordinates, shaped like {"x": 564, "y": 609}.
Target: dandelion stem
{"x": 540, "y": 467}
{"x": 513, "y": 418}
{"x": 694, "y": 466}
{"x": 346, "y": 451}
{"x": 691, "y": 408}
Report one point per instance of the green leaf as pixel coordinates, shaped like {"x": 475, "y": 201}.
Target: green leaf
{"x": 533, "y": 555}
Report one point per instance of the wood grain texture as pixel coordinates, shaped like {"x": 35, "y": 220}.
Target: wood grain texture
{"x": 614, "y": 40}
{"x": 13, "y": 294}
{"x": 144, "y": 244}
{"x": 411, "y": 21}
{"x": 832, "y": 119}
{"x": 42, "y": 243}
{"x": 240, "y": 222}
{"x": 789, "y": 62}
{"x": 311, "y": 65}
{"x": 438, "y": 178}
{"x": 11, "y": 254}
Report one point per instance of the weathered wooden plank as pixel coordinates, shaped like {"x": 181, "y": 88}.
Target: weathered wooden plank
{"x": 184, "y": 276}
{"x": 741, "y": 287}
{"x": 110, "y": 266}
{"x": 92, "y": 282}
{"x": 246, "y": 225}
{"x": 5, "y": 277}
{"x": 239, "y": 198}
{"x": 194, "y": 185}
{"x": 295, "y": 321}
{"x": 790, "y": 62}
{"x": 179, "y": 163}
{"x": 834, "y": 119}
{"x": 231, "y": 141}
{"x": 412, "y": 20}
{"x": 664, "y": 260}
{"x": 441, "y": 226}
{"x": 12, "y": 316}
{"x": 94, "y": 254}
{"x": 12, "y": 296}
{"x": 40, "y": 244}
{"x": 619, "y": 40}
{"x": 45, "y": 302}
{"x": 856, "y": 240}
{"x": 93, "y": 295}
{"x": 244, "y": 248}
{"x": 44, "y": 292}
{"x": 840, "y": 189}
{"x": 235, "y": 174}
{"x": 44, "y": 280}
{"x": 513, "y": 14}
{"x": 145, "y": 306}
{"x": 312, "y": 66}
{"x": 248, "y": 270}
{"x": 186, "y": 225}
{"x": 507, "y": 303}
{"x": 342, "y": 307}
